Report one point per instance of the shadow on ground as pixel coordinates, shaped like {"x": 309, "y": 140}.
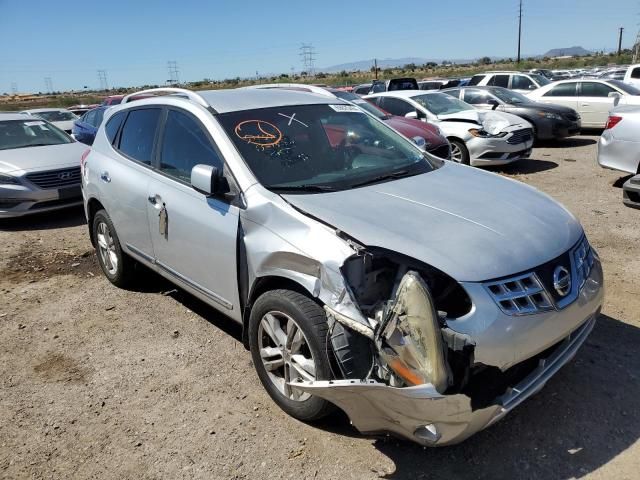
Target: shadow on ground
{"x": 619, "y": 183}
{"x": 69, "y": 217}
{"x": 567, "y": 142}
{"x": 529, "y": 165}
{"x": 583, "y": 418}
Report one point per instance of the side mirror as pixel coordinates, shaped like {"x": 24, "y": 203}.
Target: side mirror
{"x": 493, "y": 102}
{"x": 208, "y": 180}
{"x": 616, "y": 98}
{"x": 413, "y": 115}
{"x": 420, "y": 142}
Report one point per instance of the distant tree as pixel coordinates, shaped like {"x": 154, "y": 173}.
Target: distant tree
{"x": 485, "y": 60}
{"x": 410, "y": 66}
{"x": 343, "y": 73}
{"x": 283, "y": 75}
{"x": 303, "y": 74}
{"x": 321, "y": 75}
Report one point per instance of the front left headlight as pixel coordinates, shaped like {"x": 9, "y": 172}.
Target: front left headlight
{"x": 550, "y": 115}
{"x": 476, "y": 132}
{"x": 8, "y": 180}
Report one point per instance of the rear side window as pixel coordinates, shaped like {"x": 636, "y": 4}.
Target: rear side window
{"x": 476, "y": 79}
{"x": 395, "y": 106}
{"x": 499, "y": 81}
{"x": 562, "y": 90}
{"x": 594, "y": 89}
{"x": 185, "y": 145}
{"x": 138, "y": 134}
{"x": 113, "y": 125}
{"x": 635, "y": 73}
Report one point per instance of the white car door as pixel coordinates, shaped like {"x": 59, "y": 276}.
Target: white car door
{"x": 594, "y": 103}
{"x": 565, "y": 94}
{"x": 194, "y": 236}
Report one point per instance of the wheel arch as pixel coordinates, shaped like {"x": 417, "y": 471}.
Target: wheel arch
{"x": 93, "y": 207}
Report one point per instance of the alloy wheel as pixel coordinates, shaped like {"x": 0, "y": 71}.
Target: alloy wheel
{"x": 107, "y": 248}
{"x": 456, "y": 153}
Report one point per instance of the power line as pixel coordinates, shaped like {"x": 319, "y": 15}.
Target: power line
{"x": 519, "y": 30}
{"x": 102, "y": 78}
{"x": 48, "y": 84}
{"x": 308, "y": 55}
{"x": 174, "y": 79}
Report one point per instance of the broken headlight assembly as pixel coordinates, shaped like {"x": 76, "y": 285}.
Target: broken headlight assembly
{"x": 481, "y": 133}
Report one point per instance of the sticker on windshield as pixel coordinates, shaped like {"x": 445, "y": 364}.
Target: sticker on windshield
{"x": 258, "y": 132}
{"x": 346, "y": 108}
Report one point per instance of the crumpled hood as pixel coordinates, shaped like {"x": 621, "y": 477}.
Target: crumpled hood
{"x": 471, "y": 224}
{"x": 491, "y": 120}
{"x": 41, "y": 158}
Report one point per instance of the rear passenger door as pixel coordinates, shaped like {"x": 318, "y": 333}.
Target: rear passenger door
{"x": 124, "y": 180}
{"x": 194, "y": 236}
{"x": 595, "y": 103}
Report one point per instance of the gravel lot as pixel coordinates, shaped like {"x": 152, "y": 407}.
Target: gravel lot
{"x": 97, "y": 382}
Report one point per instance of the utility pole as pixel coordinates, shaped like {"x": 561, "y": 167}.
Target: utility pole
{"x": 519, "y": 30}
{"x": 636, "y": 48}
{"x": 174, "y": 79}
{"x": 102, "y": 78}
{"x": 375, "y": 67}
{"x": 14, "y": 88}
{"x": 620, "y": 41}
{"x": 48, "y": 84}
{"x": 308, "y": 55}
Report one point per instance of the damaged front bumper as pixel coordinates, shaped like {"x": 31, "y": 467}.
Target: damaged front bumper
{"x": 423, "y": 415}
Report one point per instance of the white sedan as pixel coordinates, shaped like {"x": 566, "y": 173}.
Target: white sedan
{"x": 592, "y": 98}
{"x": 477, "y": 137}
{"x": 60, "y": 117}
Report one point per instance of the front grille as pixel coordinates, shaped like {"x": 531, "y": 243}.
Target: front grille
{"x": 443, "y": 151}
{"x": 534, "y": 291}
{"x": 520, "y": 295}
{"x": 65, "y": 177}
{"x": 520, "y": 136}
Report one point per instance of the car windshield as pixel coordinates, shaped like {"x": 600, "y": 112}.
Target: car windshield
{"x": 509, "y": 96}
{"x": 441, "y": 103}
{"x": 363, "y": 104}
{"x": 315, "y": 148}
{"x": 56, "y": 115}
{"x": 29, "y": 133}
{"x": 625, "y": 87}
{"x": 540, "y": 79}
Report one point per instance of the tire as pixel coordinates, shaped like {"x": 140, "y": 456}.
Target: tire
{"x": 306, "y": 344}
{"x": 116, "y": 265}
{"x": 463, "y": 156}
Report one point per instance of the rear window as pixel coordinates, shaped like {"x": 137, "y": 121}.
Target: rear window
{"x": 402, "y": 84}
{"x": 138, "y": 134}
{"x": 476, "y": 79}
{"x": 56, "y": 116}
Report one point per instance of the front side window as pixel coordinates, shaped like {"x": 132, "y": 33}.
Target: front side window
{"x": 563, "y": 90}
{"x": 396, "y": 106}
{"x": 138, "y": 134}
{"x": 311, "y": 148}
{"x": 441, "y": 104}
{"x": 595, "y": 89}
{"x": 29, "y": 133}
{"x": 185, "y": 145}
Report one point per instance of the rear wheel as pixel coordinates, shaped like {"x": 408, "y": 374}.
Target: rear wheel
{"x": 116, "y": 265}
{"x": 459, "y": 152}
{"x": 288, "y": 341}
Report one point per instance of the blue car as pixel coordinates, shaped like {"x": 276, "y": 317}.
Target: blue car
{"x": 85, "y": 128}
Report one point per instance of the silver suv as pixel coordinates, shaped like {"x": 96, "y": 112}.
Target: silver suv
{"x": 424, "y": 298}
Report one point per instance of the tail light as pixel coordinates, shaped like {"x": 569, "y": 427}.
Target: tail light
{"x": 83, "y": 160}
{"x": 612, "y": 121}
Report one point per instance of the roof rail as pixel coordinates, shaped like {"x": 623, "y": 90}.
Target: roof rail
{"x": 294, "y": 86}
{"x": 180, "y": 92}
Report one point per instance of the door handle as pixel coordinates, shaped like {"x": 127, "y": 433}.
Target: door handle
{"x": 152, "y": 199}
{"x": 104, "y": 176}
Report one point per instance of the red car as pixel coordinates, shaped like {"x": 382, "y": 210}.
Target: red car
{"x": 417, "y": 130}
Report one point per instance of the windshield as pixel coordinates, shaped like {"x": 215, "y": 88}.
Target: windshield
{"x": 441, "y": 103}
{"x": 509, "y": 96}
{"x": 309, "y": 148}
{"x": 29, "y": 133}
{"x": 540, "y": 79}
{"x": 56, "y": 116}
{"x": 625, "y": 87}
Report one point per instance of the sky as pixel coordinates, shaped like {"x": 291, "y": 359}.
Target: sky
{"x": 69, "y": 41}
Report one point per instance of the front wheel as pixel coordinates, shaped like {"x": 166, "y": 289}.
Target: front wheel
{"x": 459, "y": 152}
{"x": 288, "y": 342}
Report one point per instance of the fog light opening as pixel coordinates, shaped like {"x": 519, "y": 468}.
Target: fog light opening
{"x": 427, "y": 434}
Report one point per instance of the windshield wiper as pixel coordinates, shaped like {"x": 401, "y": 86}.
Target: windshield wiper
{"x": 380, "y": 178}
{"x": 303, "y": 188}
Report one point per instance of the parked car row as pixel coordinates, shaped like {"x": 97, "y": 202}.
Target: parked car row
{"x": 424, "y": 298}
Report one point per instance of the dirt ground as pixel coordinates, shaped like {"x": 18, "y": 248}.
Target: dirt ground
{"x": 97, "y": 382}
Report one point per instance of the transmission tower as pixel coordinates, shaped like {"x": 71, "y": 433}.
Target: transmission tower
{"x": 174, "y": 79}
{"x": 14, "y": 88}
{"x": 48, "y": 84}
{"x": 308, "y": 55}
{"x": 102, "y": 78}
